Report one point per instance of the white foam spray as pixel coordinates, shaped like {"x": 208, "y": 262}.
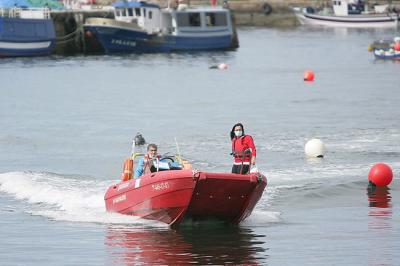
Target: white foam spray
{"x": 64, "y": 198}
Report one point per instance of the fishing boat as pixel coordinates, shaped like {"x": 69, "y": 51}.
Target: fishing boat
{"x": 140, "y": 27}
{"x": 26, "y": 31}
{"x": 349, "y": 13}
{"x": 174, "y": 192}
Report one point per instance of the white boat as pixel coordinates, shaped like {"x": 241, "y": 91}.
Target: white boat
{"x": 349, "y": 13}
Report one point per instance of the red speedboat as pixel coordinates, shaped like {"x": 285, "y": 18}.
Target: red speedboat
{"x": 174, "y": 195}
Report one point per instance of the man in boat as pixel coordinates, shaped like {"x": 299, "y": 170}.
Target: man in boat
{"x": 144, "y": 164}
{"x": 243, "y": 151}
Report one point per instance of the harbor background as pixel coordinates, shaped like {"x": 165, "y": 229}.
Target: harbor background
{"x": 67, "y": 125}
{"x": 72, "y": 39}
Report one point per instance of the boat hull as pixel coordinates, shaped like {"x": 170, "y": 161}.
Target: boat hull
{"x": 128, "y": 40}
{"x": 386, "y": 54}
{"x": 350, "y": 21}
{"x": 172, "y": 196}
{"x": 26, "y": 37}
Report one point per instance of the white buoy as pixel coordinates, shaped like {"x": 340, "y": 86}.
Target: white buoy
{"x": 315, "y": 148}
{"x": 223, "y": 66}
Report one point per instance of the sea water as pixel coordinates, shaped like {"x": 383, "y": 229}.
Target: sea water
{"x": 67, "y": 124}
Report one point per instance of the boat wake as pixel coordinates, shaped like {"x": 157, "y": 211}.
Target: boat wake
{"x": 75, "y": 198}
{"x": 260, "y": 218}
{"x": 63, "y": 198}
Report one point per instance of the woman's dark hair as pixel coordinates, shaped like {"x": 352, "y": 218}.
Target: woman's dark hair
{"x": 233, "y": 130}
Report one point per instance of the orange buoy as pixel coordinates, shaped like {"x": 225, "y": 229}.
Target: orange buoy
{"x": 128, "y": 170}
{"x": 380, "y": 175}
{"x": 308, "y": 75}
{"x": 396, "y": 46}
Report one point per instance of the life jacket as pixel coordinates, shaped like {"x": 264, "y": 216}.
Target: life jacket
{"x": 149, "y": 164}
{"x": 239, "y": 147}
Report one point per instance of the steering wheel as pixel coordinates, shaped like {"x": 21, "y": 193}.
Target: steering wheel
{"x": 169, "y": 158}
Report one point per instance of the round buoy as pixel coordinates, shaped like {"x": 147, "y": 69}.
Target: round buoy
{"x": 397, "y": 46}
{"x": 380, "y": 175}
{"x": 315, "y": 148}
{"x": 308, "y": 75}
{"x": 222, "y": 66}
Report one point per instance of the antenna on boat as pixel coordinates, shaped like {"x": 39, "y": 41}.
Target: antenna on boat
{"x": 178, "y": 151}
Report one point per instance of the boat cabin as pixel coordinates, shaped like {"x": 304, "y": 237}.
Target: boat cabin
{"x": 179, "y": 21}
{"x": 196, "y": 20}
{"x": 145, "y": 15}
{"x": 356, "y": 7}
{"x": 347, "y": 7}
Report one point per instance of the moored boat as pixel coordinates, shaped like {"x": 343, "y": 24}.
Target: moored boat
{"x": 26, "y": 32}
{"x": 171, "y": 196}
{"x": 140, "y": 27}
{"x": 349, "y": 13}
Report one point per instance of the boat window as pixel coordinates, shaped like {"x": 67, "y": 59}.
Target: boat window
{"x": 216, "y": 19}
{"x": 150, "y": 14}
{"x": 137, "y": 11}
{"x": 144, "y": 12}
{"x": 124, "y": 12}
{"x": 118, "y": 12}
{"x": 188, "y": 19}
{"x": 130, "y": 12}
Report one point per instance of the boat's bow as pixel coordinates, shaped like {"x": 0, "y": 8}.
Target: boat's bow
{"x": 162, "y": 196}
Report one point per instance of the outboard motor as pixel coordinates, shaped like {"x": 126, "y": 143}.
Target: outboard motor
{"x": 139, "y": 140}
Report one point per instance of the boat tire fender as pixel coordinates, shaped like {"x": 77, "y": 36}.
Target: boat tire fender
{"x": 266, "y": 9}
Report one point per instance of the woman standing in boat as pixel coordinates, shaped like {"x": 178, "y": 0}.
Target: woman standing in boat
{"x": 243, "y": 150}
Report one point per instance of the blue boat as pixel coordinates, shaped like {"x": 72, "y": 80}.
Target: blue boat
{"x": 26, "y": 31}
{"x": 140, "y": 27}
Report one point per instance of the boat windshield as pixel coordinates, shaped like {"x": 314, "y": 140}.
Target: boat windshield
{"x": 163, "y": 163}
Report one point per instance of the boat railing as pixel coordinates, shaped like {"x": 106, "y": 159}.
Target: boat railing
{"x": 26, "y": 13}
{"x": 111, "y": 22}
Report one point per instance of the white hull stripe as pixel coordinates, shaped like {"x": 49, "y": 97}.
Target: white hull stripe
{"x": 24, "y": 46}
